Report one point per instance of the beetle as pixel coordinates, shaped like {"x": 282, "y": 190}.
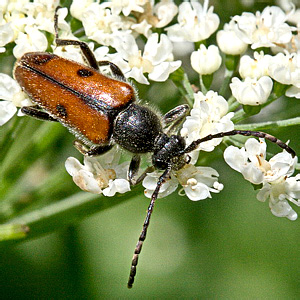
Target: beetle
{"x": 102, "y": 111}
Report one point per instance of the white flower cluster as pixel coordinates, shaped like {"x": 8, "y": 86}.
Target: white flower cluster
{"x": 100, "y": 175}
{"x": 127, "y": 31}
{"x": 209, "y": 115}
{"x": 119, "y": 25}
{"x": 274, "y": 175}
{"x": 268, "y": 29}
{"x": 197, "y": 182}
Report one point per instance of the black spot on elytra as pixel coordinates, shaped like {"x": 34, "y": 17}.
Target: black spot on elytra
{"x": 61, "y": 110}
{"x": 84, "y": 73}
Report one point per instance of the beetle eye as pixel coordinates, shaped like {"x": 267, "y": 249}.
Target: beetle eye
{"x": 159, "y": 164}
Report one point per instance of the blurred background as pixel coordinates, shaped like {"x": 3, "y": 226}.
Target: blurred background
{"x": 227, "y": 247}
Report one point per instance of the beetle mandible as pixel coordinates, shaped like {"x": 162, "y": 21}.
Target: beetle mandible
{"x": 102, "y": 111}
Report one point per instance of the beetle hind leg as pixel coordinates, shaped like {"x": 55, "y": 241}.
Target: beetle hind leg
{"x": 86, "y": 51}
{"x": 116, "y": 71}
{"x": 91, "y": 151}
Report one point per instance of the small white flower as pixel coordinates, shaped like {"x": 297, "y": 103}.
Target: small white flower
{"x": 6, "y": 34}
{"x": 274, "y": 175}
{"x": 206, "y": 60}
{"x": 127, "y": 6}
{"x": 13, "y": 6}
{"x": 156, "y": 59}
{"x": 264, "y": 29}
{"x": 143, "y": 28}
{"x": 7, "y": 111}
{"x": 102, "y": 175}
{"x": 165, "y": 10}
{"x": 251, "y": 91}
{"x": 12, "y": 96}
{"x": 285, "y": 68}
{"x": 229, "y": 42}
{"x": 150, "y": 182}
{"x": 293, "y": 92}
{"x": 32, "y": 40}
{"x": 40, "y": 14}
{"x": 101, "y": 24}
{"x": 195, "y": 22}
{"x": 251, "y": 162}
{"x": 197, "y": 182}
{"x": 79, "y": 6}
{"x": 209, "y": 115}
{"x": 255, "y": 67}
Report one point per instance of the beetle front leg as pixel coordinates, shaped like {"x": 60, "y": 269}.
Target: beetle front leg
{"x": 134, "y": 168}
{"x": 175, "y": 116}
{"x": 36, "y": 113}
{"x": 91, "y": 151}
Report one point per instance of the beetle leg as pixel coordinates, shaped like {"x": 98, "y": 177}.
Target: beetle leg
{"x": 175, "y": 116}
{"x": 114, "y": 69}
{"x": 134, "y": 168}
{"x": 34, "y": 112}
{"x": 177, "y": 113}
{"x": 87, "y": 52}
{"x": 91, "y": 151}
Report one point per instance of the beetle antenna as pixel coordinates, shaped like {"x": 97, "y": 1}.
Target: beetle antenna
{"x": 259, "y": 134}
{"x": 142, "y": 237}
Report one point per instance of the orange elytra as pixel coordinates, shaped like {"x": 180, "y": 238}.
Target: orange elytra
{"x": 78, "y": 96}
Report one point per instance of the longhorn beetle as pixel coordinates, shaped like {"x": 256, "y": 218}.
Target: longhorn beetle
{"x": 97, "y": 109}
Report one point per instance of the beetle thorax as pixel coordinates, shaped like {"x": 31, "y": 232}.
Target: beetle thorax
{"x": 136, "y": 129}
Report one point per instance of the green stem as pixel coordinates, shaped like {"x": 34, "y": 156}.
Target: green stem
{"x": 53, "y": 186}
{"x": 225, "y": 84}
{"x": 35, "y": 139}
{"x": 232, "y": 104}
{"x": 68, "y": 211}
{"x": 10, "y": 136}
{"x": 241, "y": 114}
{"x": 180, "y": 79}
{"x": 269, "y": 124}
{"x": 188, "y": 89}
{"x": 202, "y": 85}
